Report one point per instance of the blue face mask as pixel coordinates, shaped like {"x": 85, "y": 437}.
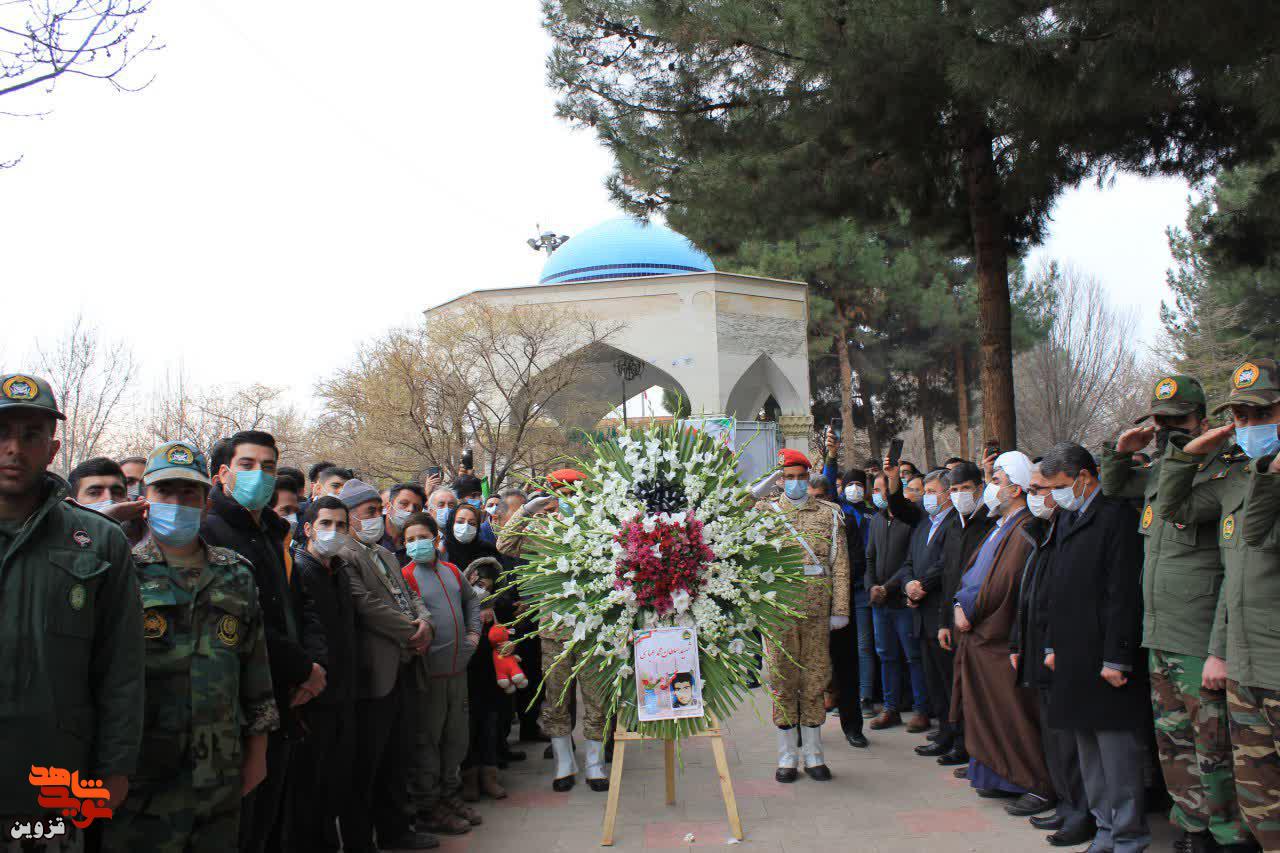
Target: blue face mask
{"x": 931, "y": 504}
{"x": 1258, "y": 440}
{"x": 475, "y": 502}
{"x": 796, "y": 490}
{"x": 253, "y": 489}
{"x": 173, "y": 524}
{"x": 442, "y": 516}
{"x": 421, "y": 551}
{"x": 879, "y": 500}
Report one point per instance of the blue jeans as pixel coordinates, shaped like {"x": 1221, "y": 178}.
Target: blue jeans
{"x": 893, "y": 635}
{"x": 866, "y": 644}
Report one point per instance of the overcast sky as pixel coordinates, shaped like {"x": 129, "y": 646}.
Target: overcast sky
{"x": 301, "y": 176}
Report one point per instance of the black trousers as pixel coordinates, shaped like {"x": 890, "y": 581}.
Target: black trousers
{"x": 528, "y": 701}
{"x": 381, "y": 768}
{"x": 322, "y": 792}
{"x": 260, "y": 825}
{"x": 844, "y": 672}
{"x": 1063, "y": 757}
{"x": 482, "y": 749}
{"x": 939, "y": 668}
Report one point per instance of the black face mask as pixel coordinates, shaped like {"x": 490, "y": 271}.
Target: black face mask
{"x": 1163, "y": 435}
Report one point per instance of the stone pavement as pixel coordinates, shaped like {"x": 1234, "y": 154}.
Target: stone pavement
{"x": 884, "y": 799}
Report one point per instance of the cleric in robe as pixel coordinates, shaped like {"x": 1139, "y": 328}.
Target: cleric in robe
{"x": 1001, "y": 720}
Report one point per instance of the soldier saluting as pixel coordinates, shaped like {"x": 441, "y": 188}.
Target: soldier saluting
{"x": 1244, "y": 645}
{"x": 1182, "y": 573}
{"x": 209, "y": 701}
{"x": 71, "y": 686}
{"x": 817, "y": 527}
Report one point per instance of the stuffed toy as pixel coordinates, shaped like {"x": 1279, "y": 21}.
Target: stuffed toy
{"x": 510, "y": 676}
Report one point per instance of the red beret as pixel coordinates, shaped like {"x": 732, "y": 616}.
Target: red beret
{"x": 788, "y": 457}
{"x": 565, "y": 476}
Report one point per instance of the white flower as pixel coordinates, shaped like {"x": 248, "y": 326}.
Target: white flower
{"x": 680, "y": 600}
{"x": 737, "y": 647}
{"x": 625, "y": 671}
{"x": 580, "y": 632}
{"x": 571, "y": 588}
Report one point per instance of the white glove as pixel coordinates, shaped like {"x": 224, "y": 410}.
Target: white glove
{"x": 838, "y": 622}
{"x": 765, "y": 486}
{"x": 539, "y": 504}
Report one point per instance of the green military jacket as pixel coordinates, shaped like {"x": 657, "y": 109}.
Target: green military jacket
{"x": 1182, "y": 571}
{"x": 208, "y": 682}
{"x": 819, "y": 524}
{"x": 1246, "y": 627}
{"x": 71, "y": 683}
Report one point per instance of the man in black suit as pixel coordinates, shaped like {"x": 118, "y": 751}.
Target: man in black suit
{"x": 1099, "y": 688}
{"x": 921, "y": 580}
{"x": 965, "y": 483}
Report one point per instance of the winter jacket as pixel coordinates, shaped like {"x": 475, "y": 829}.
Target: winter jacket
{"x": 455, "y": 613}
{"x": 327, "y": 592}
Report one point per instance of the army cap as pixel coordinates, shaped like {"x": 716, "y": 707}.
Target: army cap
{"x": 1256, "y": 382}
{"x": 176, "y": 460}
{"x": 23, "y": 391}
{"x": 1176, "y": 396}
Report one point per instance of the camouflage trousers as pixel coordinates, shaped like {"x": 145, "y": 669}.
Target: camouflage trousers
{"x": 1194, "y": 741}
{"x": 796, "y": 683}
{"x": 176, "y": 817}
{"x": 1255, "y": 742}
{"x": 555, "y": 718}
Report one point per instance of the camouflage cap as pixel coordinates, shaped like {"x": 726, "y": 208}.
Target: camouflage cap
{"x": 23, "y": 391}
{"x": 176, "y": 460}
{"x": 1256, "y": 382}
{"x": 1175, "y": 395}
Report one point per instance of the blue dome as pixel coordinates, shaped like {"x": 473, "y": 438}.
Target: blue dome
{"x": 623, "y": 248}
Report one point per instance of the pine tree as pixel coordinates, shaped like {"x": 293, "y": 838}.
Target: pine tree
{"x": 756, "y": 119}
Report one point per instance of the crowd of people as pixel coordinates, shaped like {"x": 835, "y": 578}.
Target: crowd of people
{"x": 1096, "y": 636}
{"x": 254, "y": 657}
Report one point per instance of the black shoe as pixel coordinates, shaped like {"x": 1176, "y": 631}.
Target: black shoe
{"x": 858, "y": 740}
{"x": 954, "y": 758}
{"x": 995, "y": 794}
{"x": 511, "y": 755}
{"x": 936, "y": 736}
{"x": 1029, "y": 804}
{"x": 564, "y": 783}
{"x": 1249, "y": 846}
{"x": 933, "y": 750}
{"x": 1075, "y": 838}
{"x": 786, "y": 774}
{"x": 412, "y": 839}
{"x": 598, "y": 784}
{"x": 1049, "y": 822}
{"x": 1195, "y": 842}
{"x": 868, "y": 709}
{"x": 818, "y": 774}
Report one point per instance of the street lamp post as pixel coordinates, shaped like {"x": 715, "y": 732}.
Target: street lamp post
{"x": 628, "y": 368}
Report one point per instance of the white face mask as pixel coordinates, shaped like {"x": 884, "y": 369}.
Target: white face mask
{"x": 328, "y": 542}
{"x": 854, "y": 494}
{"x": 1036, "y": 503}
{"x": 399, "y": 517}
{"x": 991, "y": 497}
{"x": 371, "y": 530}
{"x": 292, "y": 518}
{"x": 964, "y": 502}
{"x": 101, "y": 506}
{"x": 464, "y": 533}
{"x": 931, "y": 504}
{"x": 1066, "y": 497}
{"x": 134, "y": 492}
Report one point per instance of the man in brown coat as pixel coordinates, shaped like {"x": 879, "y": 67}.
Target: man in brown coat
{"x": 1001, "y": 720}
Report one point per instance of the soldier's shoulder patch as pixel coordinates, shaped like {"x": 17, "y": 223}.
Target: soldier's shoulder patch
{"x": 82, "y": 538}
{"x": 1229, "y": 526}
{"x": 78, "y": 597}
{"x": 220, "y": 556}
{"x": 154, "y": 624}
{"x": 1148, "y": 516}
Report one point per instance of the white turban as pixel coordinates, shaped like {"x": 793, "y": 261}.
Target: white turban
{"x": 1017, "y": 466}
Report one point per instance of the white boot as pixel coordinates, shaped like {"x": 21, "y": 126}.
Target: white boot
{"x": 566, "y": 764}
{"x": 788, "y": 754}
{"x": 815, "y": 764}
{"x": 596, "y": 776}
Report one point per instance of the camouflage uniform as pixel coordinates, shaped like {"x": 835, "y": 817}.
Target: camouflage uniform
{"x": 555, "y": 719}
{"x": 208, "y": 688}
{"x": 800, "y": 665}
{"x": 1181, "y": 575}
{"x": 1243, "y": 502}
